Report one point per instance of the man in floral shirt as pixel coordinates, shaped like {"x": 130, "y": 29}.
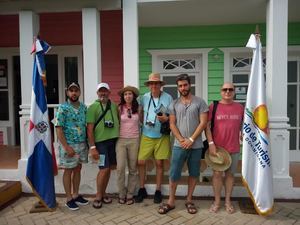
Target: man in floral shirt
{"x": 71, "y": 132}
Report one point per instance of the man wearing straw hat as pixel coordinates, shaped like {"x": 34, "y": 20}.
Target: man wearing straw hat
{"x": 188, "y": 119}
{"x": 155, "y": 141}
{"x": 225, "y": 137}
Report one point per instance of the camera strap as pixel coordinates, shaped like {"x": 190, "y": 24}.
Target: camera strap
{"x": 108, "y": 104}
{"x": 152, "y": 100}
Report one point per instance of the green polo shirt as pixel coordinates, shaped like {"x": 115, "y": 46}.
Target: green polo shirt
{"x": 102, "y": 133}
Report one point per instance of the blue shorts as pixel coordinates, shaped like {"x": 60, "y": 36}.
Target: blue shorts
{"x": 179, "y": 156}
{"x": 107, "y": 153}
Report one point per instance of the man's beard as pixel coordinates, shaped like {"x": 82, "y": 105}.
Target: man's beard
{"x": 103, "y": 98}
{"x": 74, "y": 99}
{"x": 185, "y": 93}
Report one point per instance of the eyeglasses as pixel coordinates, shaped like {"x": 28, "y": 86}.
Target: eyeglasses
{"x": 129, "y": 114}
{"x": 227, "y": 89}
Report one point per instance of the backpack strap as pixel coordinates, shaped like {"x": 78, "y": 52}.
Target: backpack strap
{"x": 212, "y": 123}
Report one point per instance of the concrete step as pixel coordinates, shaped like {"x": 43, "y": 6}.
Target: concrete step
{"x": 204, "y": 181}
{"x": 9, "y": 191}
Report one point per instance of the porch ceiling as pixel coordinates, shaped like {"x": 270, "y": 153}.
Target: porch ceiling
{"x": 207, "y": 12}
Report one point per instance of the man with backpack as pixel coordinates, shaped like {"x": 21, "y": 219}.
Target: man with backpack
{"x": 226, "y": 135}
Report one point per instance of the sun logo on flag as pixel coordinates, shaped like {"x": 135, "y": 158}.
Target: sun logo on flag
{"x": 260, "y": 118}
{"x": 42, "y": 127}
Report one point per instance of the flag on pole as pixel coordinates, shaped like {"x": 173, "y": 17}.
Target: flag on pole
{"x": 41, "y": 165}
{"x": 256, "y": 162}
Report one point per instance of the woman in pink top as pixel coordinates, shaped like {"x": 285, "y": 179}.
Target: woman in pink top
{"x": 128, "y": 143}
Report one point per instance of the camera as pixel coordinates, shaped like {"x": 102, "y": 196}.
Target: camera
{"x": 150, "y": 123}
{"x": 109, "y": 124}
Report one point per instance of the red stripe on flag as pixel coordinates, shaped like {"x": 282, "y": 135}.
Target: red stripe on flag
{"x": 31, "y": 125}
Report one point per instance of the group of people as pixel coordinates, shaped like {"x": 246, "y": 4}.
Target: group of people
{"x": 139, "y": 128}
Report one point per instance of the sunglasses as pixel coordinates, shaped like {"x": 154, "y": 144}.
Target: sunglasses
{"x": 129, "y": 114}
{"x": 227, "y": 89}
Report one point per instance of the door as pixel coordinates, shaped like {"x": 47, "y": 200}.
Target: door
{"x": 293, "y": 107}
{"x": 171, "y": 66}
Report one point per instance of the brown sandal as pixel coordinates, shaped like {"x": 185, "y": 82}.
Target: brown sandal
{"x": 164, "y": 208}
{"x": 97, "y": 204}
{"x": 191, "y": 208}
{"x": 106, "y": 200}
{"x": 129, "y": 201}
{"x": 214, "y": 208}
{"x": 122, "y": 201}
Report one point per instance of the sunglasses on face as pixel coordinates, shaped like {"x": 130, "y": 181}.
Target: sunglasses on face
{"x": 129, "y": 114}
{"x": 227, "y": 89}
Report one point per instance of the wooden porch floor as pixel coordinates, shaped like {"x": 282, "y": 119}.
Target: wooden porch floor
{"x": 9, "y": 156}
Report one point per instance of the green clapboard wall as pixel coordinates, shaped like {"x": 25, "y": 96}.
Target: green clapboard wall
{"x": 214, "y": 37}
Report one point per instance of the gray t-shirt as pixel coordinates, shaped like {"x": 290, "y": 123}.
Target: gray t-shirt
{"x": 188, "y": 118}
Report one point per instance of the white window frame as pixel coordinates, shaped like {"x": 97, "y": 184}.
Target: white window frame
{"x": 62, "y": 52}
{"x": 201, "y": 81}
{"x": 294, "y": 55}
{"x": 8, "y": 127}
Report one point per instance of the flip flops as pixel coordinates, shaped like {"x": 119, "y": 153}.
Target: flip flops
{"x": 97, "y": 204}
{"x": 129, "y": 201}
{"x": 106, "y": 200}
{"x": 214, "y": 208}
{"x": 191, "y": 208}
{"x": 229, "y": 208}
{"x": 164, "y": 208}
{"x": 122, "y": 201}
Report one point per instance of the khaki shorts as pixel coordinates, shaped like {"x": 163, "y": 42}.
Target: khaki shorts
{"x": 159, "y": 148}
{"x": 234, "y": 163}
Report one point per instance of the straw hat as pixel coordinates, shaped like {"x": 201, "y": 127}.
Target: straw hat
{"x": 129, "y": 88}
{"x": 220, "y": 162}
{"x": 154, "y": 77}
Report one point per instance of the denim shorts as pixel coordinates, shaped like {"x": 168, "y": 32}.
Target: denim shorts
{"x": 193, "y": 159}
{"x": 107, "y": 153}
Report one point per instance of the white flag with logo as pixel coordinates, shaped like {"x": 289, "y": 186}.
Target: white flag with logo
{"x": 256, "y": 163}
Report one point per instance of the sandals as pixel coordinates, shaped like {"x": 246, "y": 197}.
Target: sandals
{"x": 214, "y": 208}
{"x": 164, "y": 208}
{"x": 191, "y": 208}
{"x": 97, "y": 204}
{"x": 122, "y": 201}
{"x": 106, "y": 200}
{"x": 229, "y": 208}
{"x": 129, "y": 201}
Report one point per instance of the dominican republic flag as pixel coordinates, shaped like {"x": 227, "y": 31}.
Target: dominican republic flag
{"x": 257, "y": 171}
{"x": 41, "y": 166}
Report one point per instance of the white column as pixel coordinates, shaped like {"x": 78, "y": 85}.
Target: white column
{"x": 276, "y": 78}
{"x": 29, "y": 27}
{"x": 91, "y": 53}
{"x": 130, "y": 43}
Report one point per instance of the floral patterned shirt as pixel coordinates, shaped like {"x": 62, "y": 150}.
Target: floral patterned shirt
{"x": 73, "y": 122}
